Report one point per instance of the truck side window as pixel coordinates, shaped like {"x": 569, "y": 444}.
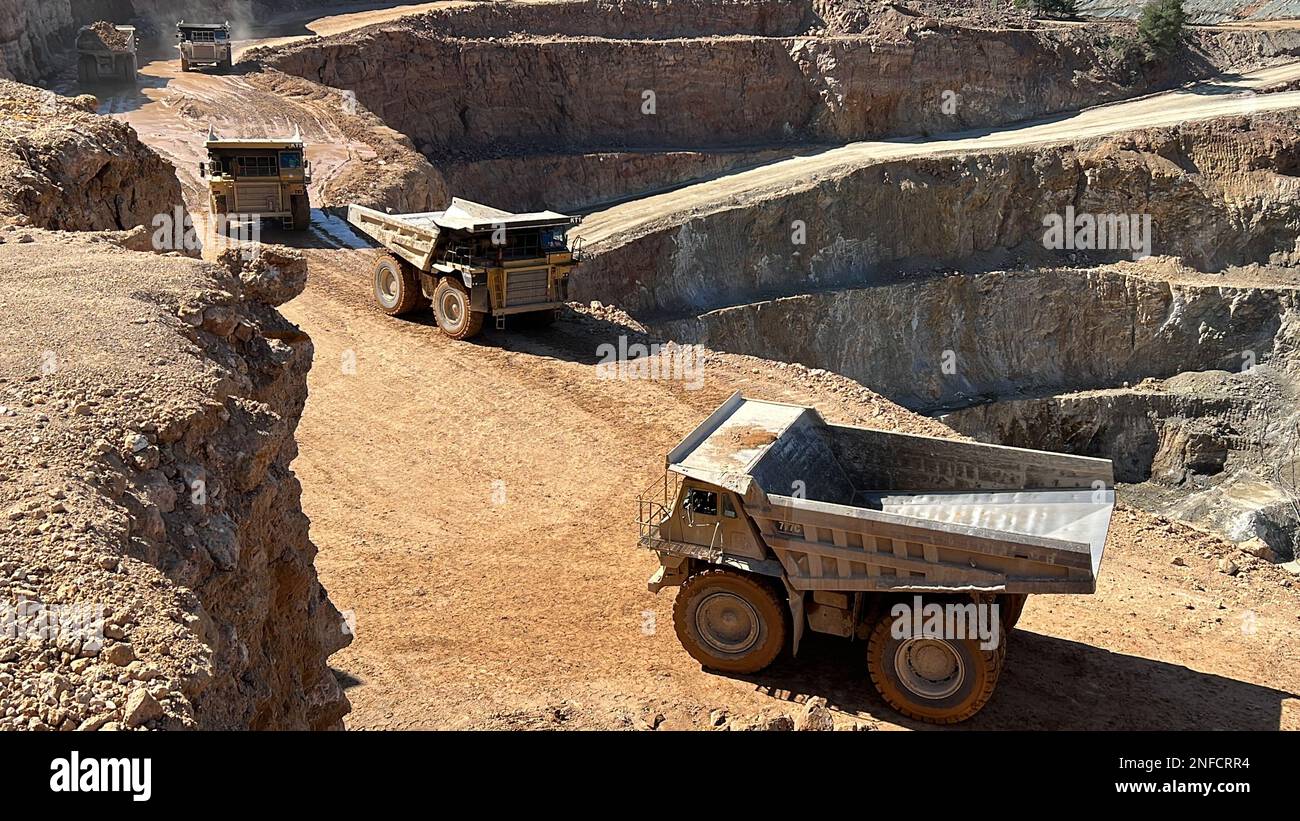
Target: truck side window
{"x": 727, "y": 509}
{"x": 702, "y": 502}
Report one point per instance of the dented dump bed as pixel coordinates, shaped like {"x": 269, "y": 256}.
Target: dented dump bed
{"x": 848, "y": 508}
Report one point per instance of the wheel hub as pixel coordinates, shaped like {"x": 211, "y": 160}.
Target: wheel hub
{"x": 929, "y": 668}
{"x": 388, "y": 287}
{"x": 451, "y": 309}
{"x": 727, "y": 623}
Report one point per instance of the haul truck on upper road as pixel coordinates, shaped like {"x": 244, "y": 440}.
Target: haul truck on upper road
{"x": 471, "y": 261}
{"x": 204, "y": 44}
{"x": 772, "y": 522}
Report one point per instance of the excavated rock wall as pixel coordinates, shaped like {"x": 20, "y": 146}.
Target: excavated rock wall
{"x": 150, "y": 404}
{"x": 952, "y": 340}
{"x": 570, "y": 182}
{"x": 458, "y": 98}
{"x": 1219, "y": 193}
{"x": 721, "y": 82}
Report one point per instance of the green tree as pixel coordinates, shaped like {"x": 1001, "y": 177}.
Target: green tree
{"x": 1052, "y": 8}
{"x": 1161, "y": 25}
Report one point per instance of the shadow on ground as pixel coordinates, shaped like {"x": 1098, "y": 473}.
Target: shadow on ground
{"x": 1048, "y": 684}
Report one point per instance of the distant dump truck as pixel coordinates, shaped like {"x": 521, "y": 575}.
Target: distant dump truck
{"x": 258, "y": 178}
{"x": 772, "y": 521}
{"x": 204, "y": 44}
{"x": 471, "y": 261}
{"x": 106, "y": 53}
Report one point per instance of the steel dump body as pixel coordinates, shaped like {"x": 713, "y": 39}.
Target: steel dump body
{"x": 853, "y": 509}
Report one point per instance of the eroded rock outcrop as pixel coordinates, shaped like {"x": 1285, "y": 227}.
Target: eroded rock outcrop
{"x": 155, "y": 564}
{"x": 1218, "y": 193}
{"x": 149, "y": 409}
{"x": 458, "y": 96}
{"x": 64, "y": 167}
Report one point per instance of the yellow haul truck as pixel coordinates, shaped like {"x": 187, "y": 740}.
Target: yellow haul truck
{"x": 772, "y": 522}
{"x": 204, "y": 44}
{"x": 259, "y": 178}
{"x": 470, "y": 261}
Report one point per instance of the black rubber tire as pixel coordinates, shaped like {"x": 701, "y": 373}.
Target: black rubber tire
{"x": 765, "y": 608}
{"x": 980, "y": 672}
{"x": 301, "y": 207}
{"x": 395, "y": 286}
{"x": 1012, "y": 606}
{"x": 452, "y": 308}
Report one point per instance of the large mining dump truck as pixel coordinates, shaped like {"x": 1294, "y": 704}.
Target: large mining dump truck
{"x": 106, "y": 54}
{"x": 771, "y": 521}
{"x": 470, "y": 261}
{"x": 204, "y": 44}
{"x": 258, "y": 178}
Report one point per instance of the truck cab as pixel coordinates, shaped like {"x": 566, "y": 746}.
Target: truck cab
{"x": 259, "y": 178}
{"x": 204, "y": 44}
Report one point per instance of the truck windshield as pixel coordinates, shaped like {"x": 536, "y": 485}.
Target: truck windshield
{"x": 291, "y": 161}
{"x": 702, "y": 502}
{"x": 553, "y": 239}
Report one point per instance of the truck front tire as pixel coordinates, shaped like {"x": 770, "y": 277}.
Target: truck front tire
{"x": 451, "y": 306}
{"x": 940, "y": 681}
{"x": 729, "y": 621}
{"x": 396, "y": 288}
{"x": 301, "y": 208}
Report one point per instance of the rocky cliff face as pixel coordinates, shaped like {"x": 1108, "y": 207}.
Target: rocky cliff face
{"x": 155, "y": 565}
{"x": 955, "y": 340}
{"x": 149, "y": 409}
{"x": 63, "y": 167}
{"x": 458, "y": 96}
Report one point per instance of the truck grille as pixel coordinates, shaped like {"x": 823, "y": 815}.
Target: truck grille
{"x": 526, "y": 287}
{"x": 257, "y": 198}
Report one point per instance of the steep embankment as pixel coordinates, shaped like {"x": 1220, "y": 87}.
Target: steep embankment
{"x": 147, "y": 410}
{"x": 62, "y": 167}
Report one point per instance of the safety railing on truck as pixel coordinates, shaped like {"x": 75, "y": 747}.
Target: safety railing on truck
{"x": 655, "y": 507}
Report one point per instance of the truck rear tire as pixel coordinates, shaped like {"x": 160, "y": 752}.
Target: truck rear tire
{"x": 1012, "y": 606}
{"x": 729, "y": 621}
{"x": 452, "y": 308}
{"x": 396, "y": 288}
{"x": 939, "y": 681}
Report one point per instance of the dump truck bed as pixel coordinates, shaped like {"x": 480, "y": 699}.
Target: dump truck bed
{"x": 848, "y": 508}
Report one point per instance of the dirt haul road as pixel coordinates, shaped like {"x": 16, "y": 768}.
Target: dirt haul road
{"x": 473, "y": 505}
